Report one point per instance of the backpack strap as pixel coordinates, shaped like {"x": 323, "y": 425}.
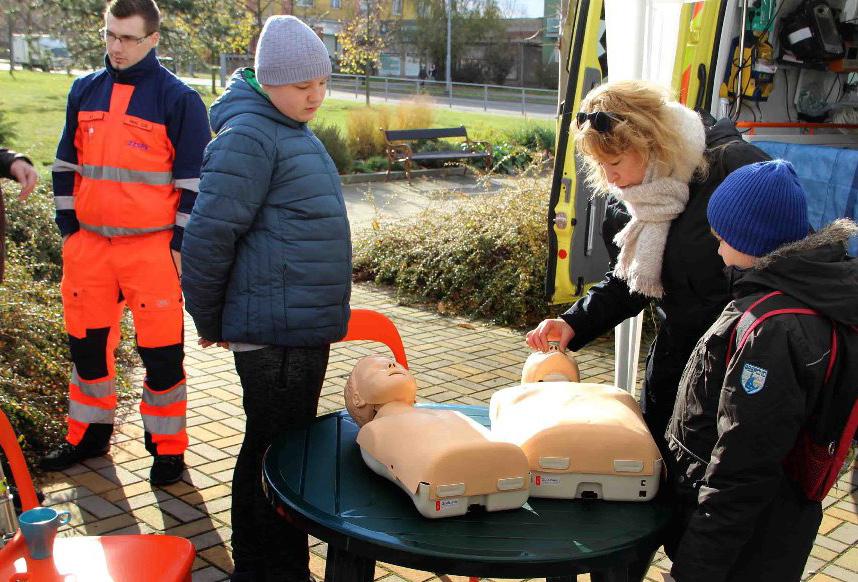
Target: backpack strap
{"x": 748, "y": 322}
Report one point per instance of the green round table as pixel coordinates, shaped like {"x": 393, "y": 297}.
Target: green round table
{"x": 316, "y": 478}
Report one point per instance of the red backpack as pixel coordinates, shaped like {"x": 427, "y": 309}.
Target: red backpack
{"x": 823, "y": 443}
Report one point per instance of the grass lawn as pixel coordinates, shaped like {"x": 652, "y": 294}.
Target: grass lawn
{"x": 36, "y": 103}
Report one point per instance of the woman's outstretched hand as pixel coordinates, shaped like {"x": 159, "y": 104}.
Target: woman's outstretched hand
{"x": 550, "y": 330}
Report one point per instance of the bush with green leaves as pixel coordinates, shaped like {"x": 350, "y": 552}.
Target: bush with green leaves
{"x": 373, "y": 164}
{"x": 7, "y": 128}
{"x": 34, "y": 357}
{"x": 534, "y": 137}
{"x": 511, "y": 158}
{"x": 483, "y": 257}
{"x": 335, "y": 143}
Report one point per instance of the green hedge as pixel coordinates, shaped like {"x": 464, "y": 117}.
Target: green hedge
{"x": 481, "y": 257}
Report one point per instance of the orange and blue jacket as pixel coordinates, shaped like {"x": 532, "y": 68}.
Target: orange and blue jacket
{"x": 128, "y": 161}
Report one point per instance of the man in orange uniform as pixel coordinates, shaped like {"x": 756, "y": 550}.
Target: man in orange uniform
{"x": 125, "y": 181}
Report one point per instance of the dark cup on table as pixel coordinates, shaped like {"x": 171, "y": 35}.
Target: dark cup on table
{"x": 39, "y": 527}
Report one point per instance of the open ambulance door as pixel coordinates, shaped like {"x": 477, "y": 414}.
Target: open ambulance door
{"x": 577, "y": 257}
{"x": 696, "y": 66}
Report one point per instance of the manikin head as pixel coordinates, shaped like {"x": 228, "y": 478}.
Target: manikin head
{"x": 374, "y": 382}
{"x": 550, "y": 366}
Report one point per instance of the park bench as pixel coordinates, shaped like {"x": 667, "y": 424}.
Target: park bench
{"x": 397, "y": 151}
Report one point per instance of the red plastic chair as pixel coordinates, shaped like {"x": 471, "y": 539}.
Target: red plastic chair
{"x": 366, "y": 324}
{"x": 121, "y": 558}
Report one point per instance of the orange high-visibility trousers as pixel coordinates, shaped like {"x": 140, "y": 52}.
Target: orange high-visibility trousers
{"x": 101, "y": 275}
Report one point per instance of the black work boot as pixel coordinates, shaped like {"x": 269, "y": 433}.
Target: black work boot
{"x": 68, "y": 454}
{"x": 166, "y": 469}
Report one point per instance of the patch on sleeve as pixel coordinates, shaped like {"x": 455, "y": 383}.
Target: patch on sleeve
{"x": 753, "y": 378}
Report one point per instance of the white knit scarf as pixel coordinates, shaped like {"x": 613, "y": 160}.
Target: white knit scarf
{"x": 653, "y": 204}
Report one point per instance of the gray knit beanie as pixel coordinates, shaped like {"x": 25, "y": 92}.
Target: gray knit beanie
{"x": 289, "y": 52}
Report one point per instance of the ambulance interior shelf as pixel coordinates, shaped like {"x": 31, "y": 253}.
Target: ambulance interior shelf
{"x": 811, "y": 36}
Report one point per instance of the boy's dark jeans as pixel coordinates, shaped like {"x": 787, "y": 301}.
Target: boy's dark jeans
{"x": 281, "y": 390}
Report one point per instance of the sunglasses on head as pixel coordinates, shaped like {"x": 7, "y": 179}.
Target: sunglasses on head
{"x": 601, "y": 121}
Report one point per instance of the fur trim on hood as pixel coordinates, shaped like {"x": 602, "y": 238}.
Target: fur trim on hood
{"x": 838, "y": 232}
{"x": 690, "y": 127}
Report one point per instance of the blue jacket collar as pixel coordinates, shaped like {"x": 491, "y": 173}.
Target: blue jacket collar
{"x": 132, "y": 75}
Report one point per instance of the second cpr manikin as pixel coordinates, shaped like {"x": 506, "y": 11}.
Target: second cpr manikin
{"x": 550, "y": 437}
{"x": 582, "y": 441}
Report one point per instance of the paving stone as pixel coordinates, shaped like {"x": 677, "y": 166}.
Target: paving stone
{"x": 211, "y": 538}
{"x": 846, "y": 533}
{"x": 127, "y": 491}
{"x": 209, "y": 574}
{"x": 828, "y": 523}
{"x": 209, "y": 494}
{"x": 831, "y": 544}
{"x": 218, "y": 556}
{"x": 843, "y": 514}
{"x": 149, "y": 498}
{"x": 99, "y": 507}
{"x": 849, "y": 560}
{"x": 181, "y": 510}
{"x": 65, "y": 495}
{"x": 111, "y": 524}
{"x": 152, "y": 516}
{"x": 839, "y": 573}
{"x": 119, "y": 475}
{"x": 189, "y": 530}
{"x": 812, "y": 566}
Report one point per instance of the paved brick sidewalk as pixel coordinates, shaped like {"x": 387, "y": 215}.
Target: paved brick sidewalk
{"x": 454, "y": 360}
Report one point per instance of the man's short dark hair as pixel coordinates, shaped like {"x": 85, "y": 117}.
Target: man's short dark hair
{"x": 146, "y": 9}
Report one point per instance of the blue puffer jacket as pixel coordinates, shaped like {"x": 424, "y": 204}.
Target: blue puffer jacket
{"x": 267, "y": 252}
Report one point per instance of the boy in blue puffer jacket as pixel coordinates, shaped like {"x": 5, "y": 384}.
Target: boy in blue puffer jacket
{"x": 267, "y": 259}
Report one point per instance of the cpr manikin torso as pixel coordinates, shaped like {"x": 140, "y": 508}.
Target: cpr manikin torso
{"x": 581, "y": 440}
{"x": 445, "y": 461}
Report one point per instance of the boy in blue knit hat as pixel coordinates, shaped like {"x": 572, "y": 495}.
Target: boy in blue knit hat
{"x": 268, "y": 269}
{"x": 749, "y": 388}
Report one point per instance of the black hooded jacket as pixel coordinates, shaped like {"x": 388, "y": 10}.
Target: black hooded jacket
{"x": 695, "y": 289}
{"x": 728, "y": 438}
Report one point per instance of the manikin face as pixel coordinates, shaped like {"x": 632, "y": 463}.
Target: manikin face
{"x": 127, "y": 41}
{"x": 624, "y": 170}
{"x": 375, "y": 381}
{"x": 732, "y": 257}
{"x": 550, "y": 366}
{"x": 298, "y": 101}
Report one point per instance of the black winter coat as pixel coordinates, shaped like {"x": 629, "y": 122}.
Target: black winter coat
{"x": 728, "y": 436}
{"x": 695, "y": 288}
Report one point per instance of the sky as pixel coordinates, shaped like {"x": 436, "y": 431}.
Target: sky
{"x": 527, "y": 8}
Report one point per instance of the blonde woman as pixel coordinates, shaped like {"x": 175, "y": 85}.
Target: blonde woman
{"x": 659, "y": 165}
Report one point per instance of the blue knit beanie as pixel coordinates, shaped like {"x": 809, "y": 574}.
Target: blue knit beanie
{"x": 759, "y": 207}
